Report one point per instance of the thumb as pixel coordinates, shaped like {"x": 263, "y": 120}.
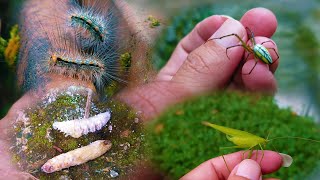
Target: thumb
{"x": 212, "y": 65}
{"x": 247, "y": 170}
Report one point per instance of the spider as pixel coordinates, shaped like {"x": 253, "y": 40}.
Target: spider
{"x": 258, "y": 50}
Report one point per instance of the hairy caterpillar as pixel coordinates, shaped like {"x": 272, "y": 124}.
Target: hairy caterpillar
{"x": 51, "y": 46}
{"x": 90, "y": 16}
{"x": 97, "y": 22}
{"x": 77, "y": 156}
{"x": 78, "y": 127}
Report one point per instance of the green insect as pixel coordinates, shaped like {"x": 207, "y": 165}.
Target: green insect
{"x": 258, "y": 50}
{"x": 243, "y": 139}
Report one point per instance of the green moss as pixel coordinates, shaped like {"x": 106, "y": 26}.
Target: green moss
{"x": 112, "y": 89}
{"x": 154, "y": 22}
{"x": 125, "y": 61}
{"x": 180, "y": 142}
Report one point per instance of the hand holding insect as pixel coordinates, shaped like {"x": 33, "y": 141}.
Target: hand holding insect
{"x": 243, "y": 139}
{"x": 262, "y": 162}
{"x": 199, "y": 66}
{"x": 259, "y": 51}
{"x": 216, "y": 169}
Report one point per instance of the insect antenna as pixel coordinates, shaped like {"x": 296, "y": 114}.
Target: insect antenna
{"x": 295, "y": 137}
{"x": 268, "y": 134}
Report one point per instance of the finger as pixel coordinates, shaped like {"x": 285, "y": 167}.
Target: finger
{"x": 260, "y": 79}
{"x": 261, "y": 21}
{"x": 246, "y": 170}
{"x": 216, "y": 168}
{"x": 210, "y": 66}
{"x": 199, "y": 35}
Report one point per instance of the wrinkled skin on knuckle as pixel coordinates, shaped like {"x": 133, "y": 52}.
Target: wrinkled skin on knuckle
{"x": 196, "y": 62}
{"x": 205, "y": 59}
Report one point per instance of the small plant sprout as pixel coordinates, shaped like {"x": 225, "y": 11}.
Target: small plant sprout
{"x": 246, "y": 140}
{"x": 259, "y": 51}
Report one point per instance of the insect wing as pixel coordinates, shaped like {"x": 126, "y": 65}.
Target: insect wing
{"x": 228, "y": 131}
{"x": 238, "y": 137}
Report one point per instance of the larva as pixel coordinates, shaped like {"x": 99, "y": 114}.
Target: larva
{"x": 90, "y": 16}
{"x": 77, "y": 156}
{"x": 97, "y": 22}
{"x": 78, "y": 127}
{"x": 50, "y": 46}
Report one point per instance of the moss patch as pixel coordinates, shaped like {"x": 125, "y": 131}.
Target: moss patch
{"x": 180, "y": 142}
{"x": 154, "y": 22}
{"x": 124, "y": 130}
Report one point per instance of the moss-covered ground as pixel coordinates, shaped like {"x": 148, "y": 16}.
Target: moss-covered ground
{"x": 180, "y": 142}
{"x": 124, "y": 130}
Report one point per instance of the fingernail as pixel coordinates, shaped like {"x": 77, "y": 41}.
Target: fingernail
{"x": 249, "y": 169}
{"x": 230, "y": 26}
{"x": 226, "y": 16}
{"x": 286, "y": 160}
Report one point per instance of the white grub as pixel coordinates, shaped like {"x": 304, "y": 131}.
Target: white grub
{"x": 77, "y": 156}
{"x": 78, "y": 127}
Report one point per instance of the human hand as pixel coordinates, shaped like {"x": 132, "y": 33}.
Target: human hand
{"x": 248, "y": 169}
{"x": 200, "y": 66}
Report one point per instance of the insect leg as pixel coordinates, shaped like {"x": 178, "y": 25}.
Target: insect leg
{"x": 230, "y": 147}
{"x": 247, "y": 57}
{"x": 252, "y": 67}
{"x": 276, "y": 54}
{"x": 230, "y": 48}
{"x": 226, "y": 163}
{"x": 267, "y": 42}
{"x": 250, "y": 153}
{"x": 243, "y": 154}
{"x": 244, "y": 45}
{"x": 262, "y": 153}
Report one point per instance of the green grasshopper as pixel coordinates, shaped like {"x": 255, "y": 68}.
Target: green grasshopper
{"x": 243, "y": 139}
